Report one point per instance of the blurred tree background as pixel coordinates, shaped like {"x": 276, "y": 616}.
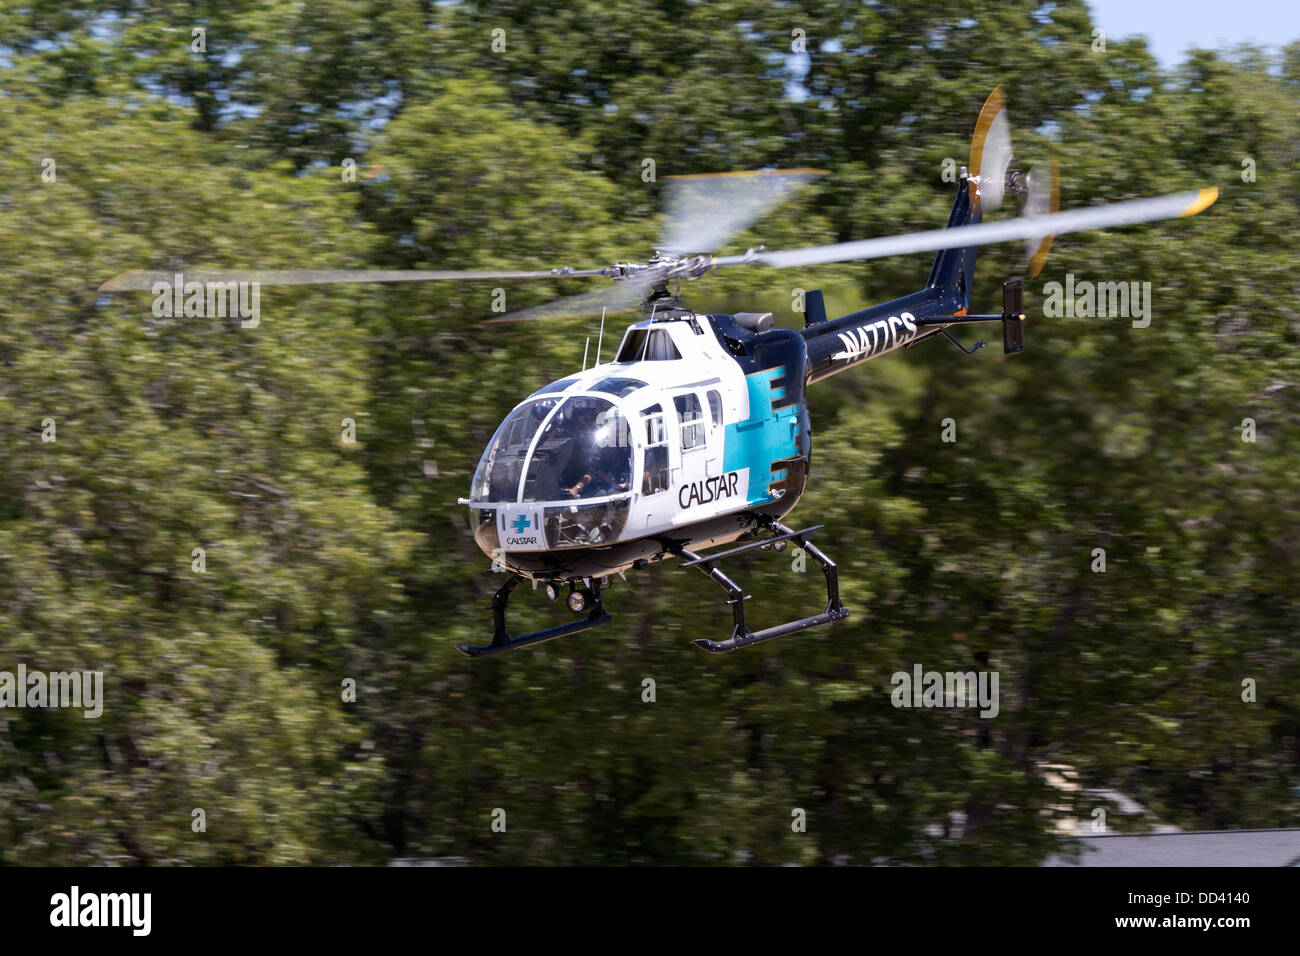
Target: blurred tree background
{"x": 328, "y": 562}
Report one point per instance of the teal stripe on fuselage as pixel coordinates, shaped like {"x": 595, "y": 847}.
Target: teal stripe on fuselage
{"x": 765, "y": 437}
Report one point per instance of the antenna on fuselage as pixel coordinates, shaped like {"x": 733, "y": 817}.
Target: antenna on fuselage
{"x": 584, "y": 353}
{"x": 601, "y": 337}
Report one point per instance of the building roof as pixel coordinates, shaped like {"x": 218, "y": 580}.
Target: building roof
{"x": 1208, "y": 848}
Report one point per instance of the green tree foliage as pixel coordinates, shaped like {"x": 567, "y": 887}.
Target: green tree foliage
{"x": 329, "y": 562}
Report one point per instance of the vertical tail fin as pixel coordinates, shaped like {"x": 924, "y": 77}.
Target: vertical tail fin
{"x": 954, "y": 269}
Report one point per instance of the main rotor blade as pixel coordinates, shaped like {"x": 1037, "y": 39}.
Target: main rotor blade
{"x": 1127, "y": 213}
{"x": 705, "y": 211}
{"x": 144, "y": 279}
{"x": 624, "y": 294}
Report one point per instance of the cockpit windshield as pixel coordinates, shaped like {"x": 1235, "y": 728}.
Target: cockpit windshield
{"x": 502, "y": 465}
{"x": 584, "y": 451}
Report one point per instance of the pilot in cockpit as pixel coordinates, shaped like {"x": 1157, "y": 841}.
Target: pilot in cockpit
{"x": 600, "y": 470}
{"x": 607, "y": 482}
{"x": 579, "y": 426}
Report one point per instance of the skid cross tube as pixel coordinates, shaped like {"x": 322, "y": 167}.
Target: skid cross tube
{"x": 752, "y": 545}
{"x": 741, "y": 635}
{"x": 501, "y": 639}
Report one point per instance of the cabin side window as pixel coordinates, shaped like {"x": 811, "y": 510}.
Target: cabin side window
{"x": 715, "y": 406}
{"x": 633, "y": 346}
{"x": 654, "y": 478}
{"x": 647, "y": 345}
{"x": 692, "y": 419}
{"x": 661, "y": 348}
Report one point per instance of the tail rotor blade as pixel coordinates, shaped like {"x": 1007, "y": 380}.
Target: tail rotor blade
{"x": 1043, "y": 197}
{"x": 990, "y": 152}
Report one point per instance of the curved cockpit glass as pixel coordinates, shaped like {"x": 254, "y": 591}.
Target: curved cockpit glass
{"x": 502, "y": 465}
{"x": 559, "y": 386}
{"x": 557, "y": 449}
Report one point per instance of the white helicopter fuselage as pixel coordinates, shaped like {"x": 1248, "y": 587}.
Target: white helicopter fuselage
{"x": 678, "y": 441}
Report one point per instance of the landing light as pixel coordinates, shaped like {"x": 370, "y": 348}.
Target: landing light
{"x": 551, "y": 593}
{"x": 577, "y": 601}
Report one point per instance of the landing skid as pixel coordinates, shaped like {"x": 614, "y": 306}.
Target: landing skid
{"x": 501, "y": 639}
{"x": 741, "y": 636}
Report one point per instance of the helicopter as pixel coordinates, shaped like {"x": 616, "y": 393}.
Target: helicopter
{"x": 696, "y": 433}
